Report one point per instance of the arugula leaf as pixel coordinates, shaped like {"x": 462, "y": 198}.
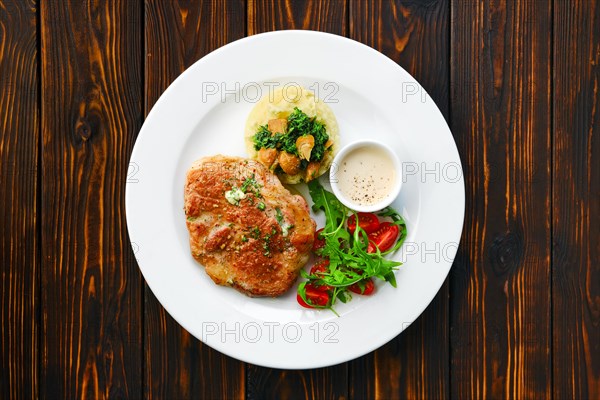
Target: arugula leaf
{"x": 343, "y": 296}
{"x": 335, "y": 211}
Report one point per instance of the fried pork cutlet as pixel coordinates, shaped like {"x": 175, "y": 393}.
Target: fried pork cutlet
{"x": 246, "y": 229}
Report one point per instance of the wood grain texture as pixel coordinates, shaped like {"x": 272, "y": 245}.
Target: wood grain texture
{"x": 91, "y": 287}
{"x": 415, "y": 35}
{"x": 576, "y": 200}
{"x": 332, "y": 382}
{"x": 19, "y": 259}
{"x": 320, "y": 383}
{"x": 322, "y": 15}
{"x": 178, "y": 366}
{"x": 500, "y": 285}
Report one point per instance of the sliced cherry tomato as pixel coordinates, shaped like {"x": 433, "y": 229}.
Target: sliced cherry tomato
{"x": 369, "y": 287}
{"x": 316, "y": 296}
{"x": 302, "y": 302}
{"x": 384, "y": 237}
{"x": 367, "y": 221}
{"x": 319, "y": 242}
{"x": 320, "y": 267}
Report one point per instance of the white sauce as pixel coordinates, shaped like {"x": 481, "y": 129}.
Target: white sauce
{"x": 366, "y": 175}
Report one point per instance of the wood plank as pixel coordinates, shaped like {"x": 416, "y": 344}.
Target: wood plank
{"x": 576, "y": 200}
{"x": 321, "y": 15}
{"x": 91, "y": 112}
{"x": 415, "y": 35}
{"x": 264, "y": 383}
{"x": 19, "y": 258}
{"x": 500, "y": 286}
{"x": 178, "y": 366}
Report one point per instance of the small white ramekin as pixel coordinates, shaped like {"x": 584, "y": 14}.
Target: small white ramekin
{"x": 335, "y": 171}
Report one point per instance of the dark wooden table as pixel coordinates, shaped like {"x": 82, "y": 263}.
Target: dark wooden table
{"x": 518, "y": 82}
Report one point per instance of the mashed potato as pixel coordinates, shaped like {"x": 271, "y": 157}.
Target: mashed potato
{"x": 280, "y": 104}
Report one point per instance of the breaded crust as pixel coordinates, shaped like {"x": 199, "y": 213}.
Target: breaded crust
{"x": 257, "y": 251}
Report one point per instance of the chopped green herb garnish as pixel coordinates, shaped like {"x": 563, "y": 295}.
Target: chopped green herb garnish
{"x": 267, "y": 242}
{"x": 264, "y": 139}
{"x": 285, "y": 226}
{"x": 254, "y": 232}
{"x": 253, "y": 185}
{"x": 261, "y": 206}
{"x": 279, "y": 215}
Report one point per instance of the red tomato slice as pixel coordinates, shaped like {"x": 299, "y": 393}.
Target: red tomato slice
{"x": 316, "y": 296}
{"x": 369, "y": 287}
{"x": 302, "y": 302}
{"x": 318, "y": 242}
{"x": 367, "y": 221}
{"x": 320, "y": 268}
{"x": 384, "y": 237}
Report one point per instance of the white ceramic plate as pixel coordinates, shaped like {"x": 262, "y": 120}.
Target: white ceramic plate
{"x": 203, "y": 113}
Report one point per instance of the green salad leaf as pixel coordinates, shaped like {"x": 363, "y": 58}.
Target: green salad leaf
{"x": 335, "y": 211}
